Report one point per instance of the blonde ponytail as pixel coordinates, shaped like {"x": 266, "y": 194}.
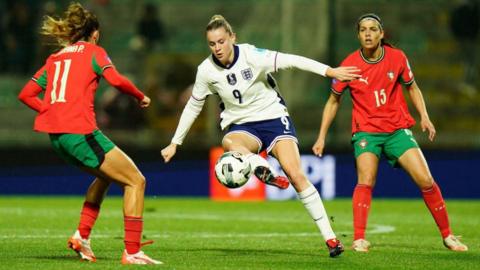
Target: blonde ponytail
{"x": 76, "y": 24}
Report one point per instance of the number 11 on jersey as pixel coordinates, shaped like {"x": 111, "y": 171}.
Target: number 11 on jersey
{"x": 63, "y": 80}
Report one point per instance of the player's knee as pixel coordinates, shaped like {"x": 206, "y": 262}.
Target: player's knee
{"x": 138, "y": 181}
{"x": 425, "y": 182}
{"x": 368, "y": 180}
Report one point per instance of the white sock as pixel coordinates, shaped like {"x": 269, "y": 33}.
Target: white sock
{"x": 256, "y": 160}
{"x": 313, "y": 203}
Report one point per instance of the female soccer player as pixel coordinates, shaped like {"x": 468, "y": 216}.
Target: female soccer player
{"x": 254, "y": 113}
{"x": 380, "y": 125}
{"x": 70, "y": 78}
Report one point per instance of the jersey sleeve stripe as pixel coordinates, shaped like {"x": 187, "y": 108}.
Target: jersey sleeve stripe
{"x": 198, "y": 99}
{"x": 335, "y": 92}
{"x": 105, "y": 67}
{"x": 410, "y": 82}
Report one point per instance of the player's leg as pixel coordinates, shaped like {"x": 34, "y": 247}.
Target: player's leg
{"x": 286, "y": 151}
{"x": 96, "y": 154}
{"x": 414, "y": 163}
{"x": 367, "y": 166}
{"x": 119, "y": 168}
{"x": 80, "y": 240}
{"x": 91, "y": 207}
{"x": 248, "y": 144}
{"x": 367, "y": 149}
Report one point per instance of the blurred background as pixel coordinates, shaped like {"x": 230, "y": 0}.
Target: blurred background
{"x": 158, "y": 45}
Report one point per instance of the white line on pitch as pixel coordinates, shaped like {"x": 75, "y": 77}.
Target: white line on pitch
{"x": 376, "y": 229}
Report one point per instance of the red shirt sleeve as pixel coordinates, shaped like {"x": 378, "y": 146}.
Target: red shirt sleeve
{"x": 407, "y": 74}
{"x": 123, "y": 84}
{"x": 100, "y": 60}
{"x": 31, "y": 90}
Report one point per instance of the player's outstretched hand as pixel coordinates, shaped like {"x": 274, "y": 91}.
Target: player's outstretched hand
{"x": 168, "y": 152}
{"x": 344, "y": 73}
{"x": 427, "y": 125}
{"x": 318, "y": 147}
{"x": 145, "y": 102}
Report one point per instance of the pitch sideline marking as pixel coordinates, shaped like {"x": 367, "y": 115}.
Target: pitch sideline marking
{"x": 376, "y": 229}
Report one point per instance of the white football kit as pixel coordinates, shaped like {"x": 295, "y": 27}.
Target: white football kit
{"x": 246, "y": 87}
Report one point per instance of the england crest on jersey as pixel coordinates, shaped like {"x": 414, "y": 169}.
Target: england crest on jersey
{"x": 247, "y": 74}
{"x": 232, "y": 79}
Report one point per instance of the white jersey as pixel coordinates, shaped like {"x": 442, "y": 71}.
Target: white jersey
{"x": 246, "y": 88}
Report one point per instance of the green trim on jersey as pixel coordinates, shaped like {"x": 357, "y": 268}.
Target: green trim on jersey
{"x": 42, "y": 80}
{"x": 376, "y": 61}
{"x": 82, "y": 149}
{"x": 96, "y": 67}
{"x": 391, "y": 145}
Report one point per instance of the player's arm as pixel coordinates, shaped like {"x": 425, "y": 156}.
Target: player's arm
{"x": 329, "y": 113}
{"x": 31, "y": 90}
{"x": 190, "y": 113}
{"x": 123, "y": 84}
{"x": 29, "y": 95}
{"x": 419, "y": 104}
{"x": 286, "y": 61}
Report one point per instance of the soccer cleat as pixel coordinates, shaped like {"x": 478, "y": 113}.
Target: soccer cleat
{"x": 335, "y": 247}
{"x": 453, "y": 243}
{"x": 82, "y": 247}
{"x": 138, "y": 258}
{"x": 265, "y": 175}
{"x": 360, "y": 245}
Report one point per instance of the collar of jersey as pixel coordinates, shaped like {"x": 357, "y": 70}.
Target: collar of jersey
{"x": 236, "y": 53}
{"x": 373, "y": 62}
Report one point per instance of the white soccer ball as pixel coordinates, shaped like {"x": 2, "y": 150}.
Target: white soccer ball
{"x": 232, "y": 169}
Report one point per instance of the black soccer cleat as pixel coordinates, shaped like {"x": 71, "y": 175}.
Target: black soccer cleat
{"x": 265, "y": 175}
{"x": 335, "y": 247}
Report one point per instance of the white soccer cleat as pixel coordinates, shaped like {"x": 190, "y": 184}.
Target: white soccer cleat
{"x": 138, "y": 258}
{"x": 82, "y": 247}
{"x": 360, "y": 245}
{"x": 453, "y": 243}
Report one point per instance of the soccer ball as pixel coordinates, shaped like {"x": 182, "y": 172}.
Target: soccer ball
{"x": 232, "y": 169}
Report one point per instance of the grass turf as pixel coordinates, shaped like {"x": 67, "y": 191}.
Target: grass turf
{"x": 201, "y": 234}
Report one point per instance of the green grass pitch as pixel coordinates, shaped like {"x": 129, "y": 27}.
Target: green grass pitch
{"x": 201, "y": 234}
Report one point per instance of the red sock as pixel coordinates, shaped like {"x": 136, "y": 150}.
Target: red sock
{"x": 88, "y": 216}
{"x": 133, "y": 233}
{"x": 435, "y": 203}
{"x": 361, "y": 200}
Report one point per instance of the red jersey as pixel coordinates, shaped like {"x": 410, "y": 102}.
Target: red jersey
{"x": 70, "y": 78}
{"x": 378, "y": 101}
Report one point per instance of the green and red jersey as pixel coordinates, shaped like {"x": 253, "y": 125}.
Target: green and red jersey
{"x": 70, "y": 79}
{"x": 378, "y": 101}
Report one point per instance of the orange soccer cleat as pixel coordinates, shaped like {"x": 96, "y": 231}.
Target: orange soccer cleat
{"x": 82, "y": 247}
{"x": 138, "y": 258}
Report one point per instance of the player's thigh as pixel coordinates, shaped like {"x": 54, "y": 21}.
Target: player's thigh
{"x": 367, "y": 168}
{"x": 414, "y": 163}
{"x": 236, "y": 140}
{"x": 118, "y": 167}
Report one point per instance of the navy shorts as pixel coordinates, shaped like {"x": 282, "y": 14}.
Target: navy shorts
{"x": 268, "y": 132}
